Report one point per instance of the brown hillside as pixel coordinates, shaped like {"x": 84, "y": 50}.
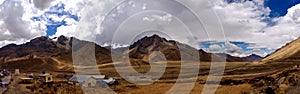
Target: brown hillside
{"x": 289, "y": 52}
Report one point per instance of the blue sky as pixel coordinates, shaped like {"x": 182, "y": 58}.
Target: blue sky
{"x": 279, "y": 7}
{"x": 239, "y": 48}
{"x": 59, "y": 11}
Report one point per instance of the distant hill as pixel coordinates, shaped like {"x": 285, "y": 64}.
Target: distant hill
{"x": 250, "y": 58}
{"x": 44, "y": 51}
{"x": 290, "y": 52}
{"x": 170, "y": 48}
{"x": 253, "y": 57}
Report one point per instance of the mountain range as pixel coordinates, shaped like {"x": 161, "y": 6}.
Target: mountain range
{"x": 250, "y": 58}
{"x": 56, "y": 53}
{"x": 43, "y": 53}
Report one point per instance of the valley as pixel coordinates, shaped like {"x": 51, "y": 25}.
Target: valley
{"x": 245, "y": 75}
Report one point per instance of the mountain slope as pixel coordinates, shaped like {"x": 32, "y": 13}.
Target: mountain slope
{"x": 289, "y": 52}
{"x": 44, "y": 51}
{"x": 38, "y": 47}
{"x": 170, "y": 48}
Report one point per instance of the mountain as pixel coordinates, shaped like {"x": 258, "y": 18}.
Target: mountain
{"x": 170, "y": 48}
{"x": 253, "y": 57}
{"x": 289, "y": 52}
{"x": 38, "y": 47}
{"x": 250, "y": 58}
{"x": 43, "y": 53}
{"x": 51, "y": 54}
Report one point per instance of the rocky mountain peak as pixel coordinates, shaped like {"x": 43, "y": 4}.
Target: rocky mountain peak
{"x": 62, "y": 40}
{"x": 39, "y": 39}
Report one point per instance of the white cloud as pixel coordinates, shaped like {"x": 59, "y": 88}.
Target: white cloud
{"x": 42, "y": 4}
{"x": 232, "y": 48}
{"x": 215, "y": 48}
{"x": 5, "y": 42}
{"x": 242, "y": 21}
{"x": 70, "y": 9}
{"x": 259, "y": 52}
{"x": 65, "y": 30}
{"x": 15, "y": 27}
{"x": 167, "y": 17}
{"x": 159, "y": 19}
{"x": 286, "y": 29}
{"x": 68, "y": 30}
{"x": 91, "y": 21}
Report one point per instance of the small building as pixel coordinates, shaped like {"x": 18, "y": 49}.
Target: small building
{"x": 296, "y": 67}
{"x": 17, "y": 72}
{"x": 85, "y": 80}
{"x": 5, "y": 81}
{"x": 26, "y": 80}
{"x": 92, "y": 82}
{"x": 5, "y": 72}
{"x": 46, "y": 78}
{"x": 30, "y": 75}
{"x": 110, "y": 81}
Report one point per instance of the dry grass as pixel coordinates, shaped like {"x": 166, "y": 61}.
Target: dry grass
{"x": 239, "y": 78}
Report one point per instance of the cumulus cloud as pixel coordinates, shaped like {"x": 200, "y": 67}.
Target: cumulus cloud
{"x": 42, "y": 4}
{"x": 14, "y": 27}
{"x": 67, "y": 30}
{"x": 18, "y": 26}
{"x": 163, "y": 18}
{"x": 285, "y": 30}
{"x": 172, "y": 17}
{"x": 259, "y": 52}
{"x": 233, "y": 49}
{"x": 242, "y": 20}
{"x": 63, "y": 16}
{"x": 215, "y": 48}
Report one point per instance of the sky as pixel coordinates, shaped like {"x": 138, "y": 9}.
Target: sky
{"x": 237, "y": 27}
{"x": 279, "y": 8}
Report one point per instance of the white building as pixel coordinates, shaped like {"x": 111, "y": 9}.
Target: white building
{"x": 86, "y": 80}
